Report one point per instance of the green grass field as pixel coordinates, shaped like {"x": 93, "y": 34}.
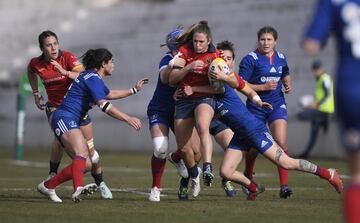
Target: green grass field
{"x": 129, "y": 177}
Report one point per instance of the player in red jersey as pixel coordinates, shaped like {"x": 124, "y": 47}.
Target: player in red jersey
{"x": 196, "y": 54}
{"x": 57, "y": 69}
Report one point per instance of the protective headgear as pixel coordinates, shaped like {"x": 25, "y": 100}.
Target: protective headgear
{"x": 172, "y": 37}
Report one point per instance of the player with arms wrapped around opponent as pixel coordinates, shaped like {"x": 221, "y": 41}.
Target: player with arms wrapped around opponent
{"x": 161, "y": 118}
{"x": 87, "y": 89}
{"x": 57, "y": 69}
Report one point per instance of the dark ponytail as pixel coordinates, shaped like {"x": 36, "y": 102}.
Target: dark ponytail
{"x": 94, "y": 58}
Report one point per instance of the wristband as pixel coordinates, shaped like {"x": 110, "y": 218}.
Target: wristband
{"x": 133, "y": 90}
{"x": 256, "y": 99}
{"x": 36, "y": 93}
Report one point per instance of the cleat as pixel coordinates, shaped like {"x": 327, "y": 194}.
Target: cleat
{"x": 195, "y": 184}
{"x": 180, "y": 167}
{"x": 105, "y": 192}
{"x": 285, "y": 191}
{"x": 245, "y": 190}
{"x": 81, "y": 192}
{"x": 335, "y": 180}
{"x": 208, "y": 177}
{"x": 50, "y": 193}
{"x": 183, "y": 194}
{"x": 252, "y": 195}
{"x": 229, "y": 188}
{"x": 154, "y": 194}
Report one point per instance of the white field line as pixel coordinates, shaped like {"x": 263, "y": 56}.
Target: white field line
{"x": 140, "y": 191}
{"x": 132, "y": 170}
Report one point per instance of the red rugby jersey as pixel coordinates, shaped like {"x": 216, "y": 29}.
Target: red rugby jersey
{"x": 199, "y": 77}
{"x": 56, "y": 85}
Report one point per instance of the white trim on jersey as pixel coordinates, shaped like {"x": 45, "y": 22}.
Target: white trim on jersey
{"x": 87, "y": 76}
{"x": 253, "y": 54}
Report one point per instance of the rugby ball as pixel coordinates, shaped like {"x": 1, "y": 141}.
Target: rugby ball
{"x": 217, "y": 65}
{"x": 306, "y": 101}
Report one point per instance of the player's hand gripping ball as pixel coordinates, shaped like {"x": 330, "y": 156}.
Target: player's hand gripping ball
{"x": 219, "y": 66}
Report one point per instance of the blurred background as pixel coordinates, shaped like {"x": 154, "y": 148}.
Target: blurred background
{"x": 133, "y": 32}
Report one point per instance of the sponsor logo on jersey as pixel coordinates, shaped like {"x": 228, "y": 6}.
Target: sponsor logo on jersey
{"x": 267, "y": 79}
{"x": 269, "y": 136}
{"x": 283, "y": 106}
{"x": 280, "y": 69}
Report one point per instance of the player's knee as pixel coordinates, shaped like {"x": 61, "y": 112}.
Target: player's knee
{"x": 161, "y": 146}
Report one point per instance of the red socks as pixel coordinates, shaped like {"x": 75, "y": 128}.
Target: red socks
{"x": 352, "y": 204}
{"x": 75, "y": 171}
{"x": 283, "y": 173}
{"x": 64, "y": 175}
{"x": 176, "y": 156}
{"x": 78, "y": 170}
{"x": 249, "y": 165}
{"x": 157, "y": 168}
{"x": 323, "y": 173}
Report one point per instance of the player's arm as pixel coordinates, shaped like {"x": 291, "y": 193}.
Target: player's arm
{"x": 72, "y": 74}
{"x": 33, "y": 81}
{"x": 177, "y": 73}
{"x": 112, "y": 111}
{"x": 286, "y": 81}
{"x": 123, "y": 93}
{"x": 173, "y": 63}
{"x": 235, "y": 81}
{"x": 189, "y": 90}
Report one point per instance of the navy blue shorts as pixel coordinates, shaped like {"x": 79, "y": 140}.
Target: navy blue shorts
{"x": 159, "y": 117}
{"x": 49, "y": 109}
{"x": 279, "y": 111}
{"x": 261, "y": 141}
{"x": 217, "y": 126}
{"x": 184, "y": 108}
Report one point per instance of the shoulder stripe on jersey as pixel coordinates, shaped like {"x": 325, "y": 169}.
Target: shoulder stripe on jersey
{"x": 253, "y": 54}
{"x": 280, "y": 55}
{"x": 87, "y": 76}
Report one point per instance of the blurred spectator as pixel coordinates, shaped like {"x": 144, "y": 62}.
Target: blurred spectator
{"x": 318, "y": 112}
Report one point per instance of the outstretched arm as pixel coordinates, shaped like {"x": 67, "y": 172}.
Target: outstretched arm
{"x": 112, "y": 111}
{"x": 123, "y": 93}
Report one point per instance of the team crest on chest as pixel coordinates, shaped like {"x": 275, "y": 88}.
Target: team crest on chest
{"x": 208, "y": 60}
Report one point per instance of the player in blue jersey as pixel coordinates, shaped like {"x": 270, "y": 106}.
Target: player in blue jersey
{"x": 87, "y": 90}
{"x": 266, "y": 71}
{"x": 161, "y": 118}
{"x": 250, "y": 132}
{"x": 342, "y": 17}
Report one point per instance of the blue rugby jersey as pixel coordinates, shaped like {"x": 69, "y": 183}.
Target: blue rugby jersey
{"x": 162, "y": 99}
{"x": 83, "y": 93}
{"x": 342, "y": 17}
{"x": 233, "y": 112}
{"x": 256, "y": 68}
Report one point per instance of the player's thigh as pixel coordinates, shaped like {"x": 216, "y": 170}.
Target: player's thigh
{"x": 75, "y": 142}
{"x": 183, "y": 131}
{"x": 224, "y": 137}
{"x": 87, "y": 131}
{"x": 278, "y": 129}
{"x": 158, "y": 130}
